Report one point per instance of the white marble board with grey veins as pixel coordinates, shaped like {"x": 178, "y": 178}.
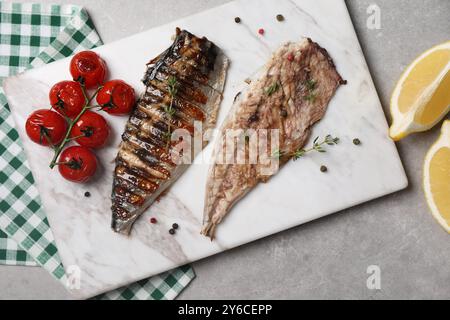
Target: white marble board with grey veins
{"x": 297, "y": 194}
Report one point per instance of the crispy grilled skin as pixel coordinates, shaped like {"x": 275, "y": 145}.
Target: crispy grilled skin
{"x": 144, "y": 166}
{"x": 305, "y": 80}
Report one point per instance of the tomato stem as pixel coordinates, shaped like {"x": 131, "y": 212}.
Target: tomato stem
{"x": 71, "y": 122}
{"x": 77, "y": 137}
{"x": 61, "y": 163}
{"x": 93, "y": 96}
{"x": 95, "y": 107}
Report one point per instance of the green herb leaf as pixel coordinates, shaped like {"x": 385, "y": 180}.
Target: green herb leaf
{"x": 277, "y": 154}
{"x": 311, "y": 97}
{"x": 172, "y": 86}
{"x": 298, "y": 154}
{"x": 330, "y": 140}
{"x": 272, "y": 88}
{"x": 317, "y": 146}
{"x": 169, "y": 110}
{"x": 311, "y": 84}
{"x": 167, "y": 135}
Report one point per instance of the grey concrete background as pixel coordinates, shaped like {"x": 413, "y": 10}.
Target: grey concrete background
{"x": 327, "y": 258}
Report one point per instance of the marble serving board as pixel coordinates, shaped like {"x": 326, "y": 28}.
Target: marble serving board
{"x": 297, "y": 194}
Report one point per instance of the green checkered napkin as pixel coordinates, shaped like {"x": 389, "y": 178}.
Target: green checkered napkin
{"x": 30, "y": 36}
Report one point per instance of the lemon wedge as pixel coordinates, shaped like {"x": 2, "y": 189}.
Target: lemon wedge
{"x": 421, "y": 97}
{"x": 436, "y": 177}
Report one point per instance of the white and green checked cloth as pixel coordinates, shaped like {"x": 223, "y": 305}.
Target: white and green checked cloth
{"x": 32, "y": 35}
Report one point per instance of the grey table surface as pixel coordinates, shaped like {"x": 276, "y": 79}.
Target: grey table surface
{"x": 327, "y": 258}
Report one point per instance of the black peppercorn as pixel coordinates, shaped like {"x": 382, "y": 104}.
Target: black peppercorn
{"x": 284, "y": 113}
{"x": 356, "y": 142}
{"x": 172, "y": 231}
{"x": 87, "y": 194}
{"x": 237, "y": 20}
{"x": 280, "y": 17}
{"x": 175, "y": 226}
{"x": 323, "y": 169}
{"x": 254, "y": 117}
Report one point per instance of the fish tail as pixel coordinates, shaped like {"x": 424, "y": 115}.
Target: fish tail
{"x": 209, "y": 230}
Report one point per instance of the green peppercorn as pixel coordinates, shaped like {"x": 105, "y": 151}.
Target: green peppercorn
{"x": 356, "y": 142}
{"x": 280, "y": 17}
{"x": 323, "y": 169}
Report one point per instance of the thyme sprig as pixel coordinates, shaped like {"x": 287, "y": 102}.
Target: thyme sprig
{"x": 172, "y": 89}
{"x": 318, "y": 146}
{"x": 310, "y": 84}
{"x": 172, "y": 86}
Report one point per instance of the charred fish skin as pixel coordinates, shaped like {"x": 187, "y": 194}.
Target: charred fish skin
{"x": 291, "y": 95}
{"x": 144, "y": 164}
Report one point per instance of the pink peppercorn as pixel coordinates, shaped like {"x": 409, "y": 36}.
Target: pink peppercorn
{"x": 153, "y": 220}
{"x": 261, "y": 31}
{"x": 290, "y": 57}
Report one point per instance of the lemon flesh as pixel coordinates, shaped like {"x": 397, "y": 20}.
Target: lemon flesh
{"x": 437, "y": 105}
{"x": 440, "y": 182}
{"x": 436, "y": 178}
{"x": 421, "y": 97}
{"x": 420, "y": 77}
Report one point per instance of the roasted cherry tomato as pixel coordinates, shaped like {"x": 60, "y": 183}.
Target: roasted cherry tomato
{"x": 46, "y": 127}
{"x": 77, "y": 164}
{"x": 88, "y": 68}
{"x": 67, "y": 98}
{"x": 116, "y": 97}
{"x": 92, "y": 129}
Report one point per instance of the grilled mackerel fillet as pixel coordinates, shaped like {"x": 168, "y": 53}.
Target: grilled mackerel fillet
{"x": 144, "y": 164}
{"x": 291, "y": 94}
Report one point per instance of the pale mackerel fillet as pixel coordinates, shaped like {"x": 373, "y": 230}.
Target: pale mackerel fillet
{"x": 144, "y": 164}
{"x": 293, "y": 109}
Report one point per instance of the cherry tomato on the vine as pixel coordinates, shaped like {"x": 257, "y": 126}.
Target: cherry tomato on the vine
{"x": 67, "y": 98}
{"x": 46, "y": 127}
{"x": 88, "y": 67}
{"x": 77, "y": 164}
{"x": 92, "y": 130}
{"x": 116, "y": 97}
